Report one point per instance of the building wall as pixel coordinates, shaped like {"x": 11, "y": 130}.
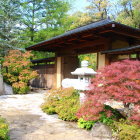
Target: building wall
{"x": 64, "y": 66}
{"x": 45, "y": 78}
{"x": 104, "y": 59}
{"x": 117, "y": 44}
{"x": 70, "y": 63}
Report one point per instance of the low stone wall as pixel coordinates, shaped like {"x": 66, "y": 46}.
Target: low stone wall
{"x": 1, "y": 85}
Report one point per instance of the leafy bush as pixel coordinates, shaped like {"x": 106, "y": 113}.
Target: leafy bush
{"x": 85, "y": 124}
{"x": 126, "y": 130}
{"x": 51, "y": 101}
{"x": 93, "y": 110}
{"x": 20, "y": 87}
{"x": 90, "y": 110}
{"x": 67, "y": 107}
{"x": 119, "y": 81}
{"x": 49, "y": 106}
{"x": 64, "y": 102}
{"x": 17, "y": 70}
{"x": 91, "y": 113}
{"x": 3, "y": 130}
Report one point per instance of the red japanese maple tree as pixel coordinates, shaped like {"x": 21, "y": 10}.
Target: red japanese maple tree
{"x": 119, "y": 81}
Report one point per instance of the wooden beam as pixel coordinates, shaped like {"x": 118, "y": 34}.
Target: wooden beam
{"x": 87, "y": 47}
{"x": 90, "y": 43}
{"x": 122, "y": 33}
{"x": 91, "y": 49}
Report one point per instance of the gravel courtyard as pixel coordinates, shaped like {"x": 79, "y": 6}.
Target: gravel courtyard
{"x": 28, "y": 122}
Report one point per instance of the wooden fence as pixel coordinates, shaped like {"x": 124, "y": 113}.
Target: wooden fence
{"x": 46, "y": 76}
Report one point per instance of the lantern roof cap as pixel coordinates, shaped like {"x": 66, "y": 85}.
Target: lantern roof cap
{"x": 84, "y": 70}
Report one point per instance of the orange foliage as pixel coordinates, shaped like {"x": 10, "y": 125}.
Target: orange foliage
{"x": 17, "y": 69}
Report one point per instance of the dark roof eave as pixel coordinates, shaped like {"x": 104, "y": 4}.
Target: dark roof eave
{"x": 51, "y": 59}
{"x": 71, "y": 32}
{"x": 121, "y": 50}
{"x": 91, "y": 26}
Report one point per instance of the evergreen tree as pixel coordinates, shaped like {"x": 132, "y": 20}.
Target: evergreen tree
{"x": 31, "y": 11}
{"x": 9, "y": 25}
{"x": 55, "y": 13}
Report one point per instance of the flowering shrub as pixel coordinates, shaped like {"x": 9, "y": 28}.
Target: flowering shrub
{"x": 17, "y": 70}
{"x": 119, "y": 81}
{"x": 67, "y": 107}
{"x": 64, "y": 102}
{"x": 52, "y": 101}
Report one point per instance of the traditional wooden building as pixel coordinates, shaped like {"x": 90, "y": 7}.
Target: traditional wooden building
{"x": 111, "y": 41}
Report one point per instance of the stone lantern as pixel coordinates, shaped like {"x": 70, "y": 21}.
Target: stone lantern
{"x": 84, "y": 76}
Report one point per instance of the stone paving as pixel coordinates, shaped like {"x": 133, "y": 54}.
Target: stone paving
{"x": 28, "y": 122}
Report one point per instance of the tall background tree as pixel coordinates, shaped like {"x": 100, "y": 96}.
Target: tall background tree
{"x": 27, "y": 22}
{"x": 98, "y": 9}
{"x": 9, "y": 25}
{"x": 31, "y": 11}
{"x": 129, "y": 13}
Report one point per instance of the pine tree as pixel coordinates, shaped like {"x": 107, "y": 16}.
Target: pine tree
{"x": 9, "y": 25}
{"x": 31, "y": 11}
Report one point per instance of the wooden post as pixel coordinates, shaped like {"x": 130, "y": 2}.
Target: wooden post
{"x": 101, "y": 60}
{"x": 64, "y": 66}
{"x": 58, "y": 71}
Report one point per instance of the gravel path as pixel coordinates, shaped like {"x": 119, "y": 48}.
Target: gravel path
{"x": 28, "y": 122}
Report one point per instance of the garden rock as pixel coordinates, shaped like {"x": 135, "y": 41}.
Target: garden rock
{"x": 8, "y": 89}
{"x": 101, "y": 132}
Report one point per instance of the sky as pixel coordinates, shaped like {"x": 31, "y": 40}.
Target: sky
{"x": 79, "y": 5}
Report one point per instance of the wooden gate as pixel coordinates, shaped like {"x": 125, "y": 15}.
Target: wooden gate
{"x": 46, "y": 76}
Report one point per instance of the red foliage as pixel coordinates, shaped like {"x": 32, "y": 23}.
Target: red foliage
{"x": 119, "y": 81}
{"x": 92, "y": 108}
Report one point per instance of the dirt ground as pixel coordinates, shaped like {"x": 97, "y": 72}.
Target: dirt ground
{"x": 28, "y": 122}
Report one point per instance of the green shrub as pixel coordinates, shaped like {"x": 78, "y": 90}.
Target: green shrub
{"x": 85, "y": 124}
{"x": 3, "y": 130}
{"x": 64, "y": 102}
{"x": 109, "y": 120}
{"x": 49, "y": 106}
{"x": 67, "y": 108}
{"x": 107, "y": 116}
{"x": 126, "y": 130}
{"x": 106, "y": 120}
{"x": 51, "y": 101}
